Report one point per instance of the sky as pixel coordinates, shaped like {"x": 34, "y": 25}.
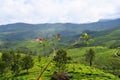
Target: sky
{"x": 58, "y": 11}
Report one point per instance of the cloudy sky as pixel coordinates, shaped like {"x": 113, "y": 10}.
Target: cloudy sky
{"x": 58, "y": 11}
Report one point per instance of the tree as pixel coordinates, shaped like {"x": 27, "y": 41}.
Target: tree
{"x": 90, "y": 54}
{"x": 83, "y": 40}
{"x": 27, "y": 62}
{"x": 2, "y": 67}
{"x": 39, "y": 58}
{"x": 85, "y": 37}
{"x": 16, "y": 64}
{"x": 61, "y": 59}
{"x": 7, "y": 57}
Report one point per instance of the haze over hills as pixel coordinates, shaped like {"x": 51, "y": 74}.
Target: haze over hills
{"x": 18, "y": 32}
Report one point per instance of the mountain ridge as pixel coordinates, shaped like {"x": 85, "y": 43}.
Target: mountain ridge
{"x": 19, "y": 32}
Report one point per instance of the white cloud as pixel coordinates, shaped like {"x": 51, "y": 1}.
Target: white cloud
{"x": 52, "y": 11}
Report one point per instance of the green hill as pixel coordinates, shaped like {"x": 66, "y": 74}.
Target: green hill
{"x": 14, "y": 34}
{"x": 101, "y": 52}
{"x": 109, "y": 37}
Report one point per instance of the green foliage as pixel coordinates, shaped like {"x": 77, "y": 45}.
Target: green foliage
{"x": 7, "y": 57}
{"x": 101, "y": 59}
{"x": 61, "y": 59}
{"x": 115, "y": 65}
{"x": 39, "y": 58}
{"x": 3, "y": 67}
{"x": 27, "y": 62}
{"x": 21, "y": 34}
{"x": 115, "y": 45}
{"x": 105, "y": 58}
{"x": 80, "y": 72}
{"x": 110, "y": 38}
{"x": 16, "y": 64}
{"x": 85, "y": 36}
{"x": 25, "y": 50}
{"x": 90, "y": 54}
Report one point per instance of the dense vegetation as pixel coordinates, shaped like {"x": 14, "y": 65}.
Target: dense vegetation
{"x": 21, "y": 34}
{"x": 78, "y": 68}
{"x": 87, "y": 52}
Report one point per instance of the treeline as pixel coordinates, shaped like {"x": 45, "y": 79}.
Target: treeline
{"x": 11, "y": 62}
{"x": 23, "y": 50}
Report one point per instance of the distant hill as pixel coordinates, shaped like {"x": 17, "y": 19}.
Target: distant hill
{"x": 11, "y": 34}
{"x": 108, "y": 37}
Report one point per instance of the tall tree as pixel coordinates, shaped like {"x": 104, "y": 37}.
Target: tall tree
{"x": 7, "y": 57}
{"x": 27, "y": 62}
{"x": 90, "y": 54}
{"x": 39, "y": 58}
{"x": 3, "y": 67}
{"x": 16, "y": 64}
{"x": 85, "y": 37}
{"x": 61, "y": 59}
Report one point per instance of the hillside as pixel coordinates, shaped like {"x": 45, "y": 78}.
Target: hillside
{"x": 109, "y": 37}
{"x": 76, "y": 70}
{"x": 106, "y": 38}
{"x": 101, "y": 52}
{"x": 13, "y": 35}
